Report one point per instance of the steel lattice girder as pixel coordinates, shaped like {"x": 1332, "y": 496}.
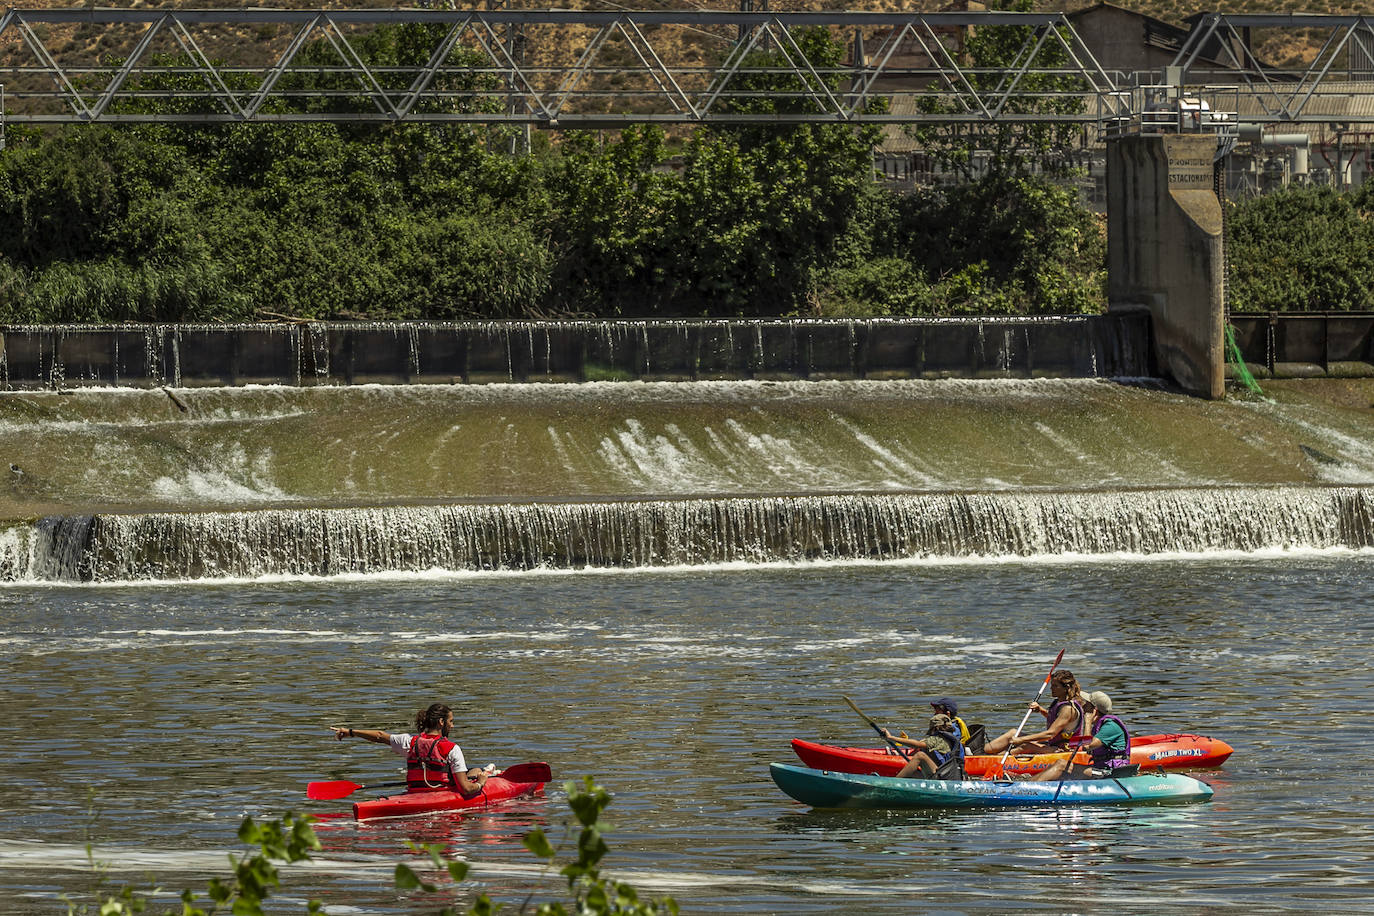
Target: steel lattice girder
{"x": 745, "y": 67}
{"x": 1286, "y": 94}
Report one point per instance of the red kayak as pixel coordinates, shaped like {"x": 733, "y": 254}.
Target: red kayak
{"x": 407, "y": 804}
{"x": 1152, "y": 752}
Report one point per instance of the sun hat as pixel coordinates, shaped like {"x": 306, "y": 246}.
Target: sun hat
{"x": 941, "y": 723}
{"x": 1100, "y": 701}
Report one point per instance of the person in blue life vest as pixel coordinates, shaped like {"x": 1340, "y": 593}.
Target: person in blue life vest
{"x": 1065, "y": 721}
{"x": 1109, "y": 747}
{"x": 948, "y": 707}
{"x": 972, "y": 737}
{"x": 940, "y": 754}
{"x": 432, "y": 760}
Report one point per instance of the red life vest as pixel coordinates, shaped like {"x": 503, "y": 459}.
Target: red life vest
{"x": 426, "y": 766}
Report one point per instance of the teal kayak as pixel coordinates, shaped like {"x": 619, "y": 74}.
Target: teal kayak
{"x": 828, "y": 789}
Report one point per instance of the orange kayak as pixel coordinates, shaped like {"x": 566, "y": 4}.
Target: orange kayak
{"x": 1152, "y": 752}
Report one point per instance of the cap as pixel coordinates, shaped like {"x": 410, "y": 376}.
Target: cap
{"x": 1100, "y": 700}
{"x": 945, "y": 703}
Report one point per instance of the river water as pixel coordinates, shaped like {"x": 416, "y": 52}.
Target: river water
{"x": 147, "y": 720}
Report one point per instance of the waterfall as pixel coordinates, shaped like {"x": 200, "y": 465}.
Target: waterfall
{"x": 655, "y": 533}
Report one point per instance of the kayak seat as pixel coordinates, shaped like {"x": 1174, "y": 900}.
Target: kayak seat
{"x": 1130, "y": 769}
{"x": 977, "y": 737}
{"x": 953, "y": 768}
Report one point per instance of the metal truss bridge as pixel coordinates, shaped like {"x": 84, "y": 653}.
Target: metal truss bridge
{"x": 577, "y": 68}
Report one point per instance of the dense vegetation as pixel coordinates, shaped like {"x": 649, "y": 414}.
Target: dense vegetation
{"x": 1303, "y": 249}
{"x": 420, "y": 221}
{"x": 318, "y": 221}
{"x": 326, "y": 221}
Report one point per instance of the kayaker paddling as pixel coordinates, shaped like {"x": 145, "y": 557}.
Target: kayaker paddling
{"x": 939, "y": 747}
{"x": 1110, "y": 747}
{"x": 946, "y": 706}
{"x": 1065, "y": 721}
{"x": 432, "y": 760}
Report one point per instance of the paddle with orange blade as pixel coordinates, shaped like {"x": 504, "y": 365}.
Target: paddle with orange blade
{"x": 1000, "y": 771}
{"x": 340, "y": 788}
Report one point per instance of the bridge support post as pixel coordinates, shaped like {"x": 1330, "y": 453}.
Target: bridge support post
{"x": 1165, "y": 252}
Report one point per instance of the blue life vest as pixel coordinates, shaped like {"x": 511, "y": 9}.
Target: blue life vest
{"x": 1105, "y": 756}
{"x": 949, "y": 765}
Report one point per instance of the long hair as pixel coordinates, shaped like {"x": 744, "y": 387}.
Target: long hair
{"x": 1073, "y": 695}
{"x": 434, "y": 717}
{"x": 1064, "y": 678}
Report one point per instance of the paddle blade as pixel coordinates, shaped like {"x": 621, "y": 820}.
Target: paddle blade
{"x": 324, "y": 791}
{"x": 528, "y": 772}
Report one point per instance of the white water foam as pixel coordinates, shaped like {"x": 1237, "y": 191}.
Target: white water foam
{"x": 740, "y": 566}
{"x": 229, "y": 476}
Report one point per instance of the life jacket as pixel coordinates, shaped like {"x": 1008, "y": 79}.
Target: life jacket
{"x": 426, "y": 766}
{"x": 1107, "y": 757}
{"x": 949, "y": 765}
{"x": 963, "y": 729}
{"x": 1068, "y": 737}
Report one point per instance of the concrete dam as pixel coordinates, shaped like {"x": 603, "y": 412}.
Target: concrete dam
{"x": 127, "y": 484}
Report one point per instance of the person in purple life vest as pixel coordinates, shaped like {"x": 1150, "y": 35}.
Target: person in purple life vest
{"x": 1065, "y": 721}
{"x": 432, "y": 760}
{"x": 1109, "y": 747}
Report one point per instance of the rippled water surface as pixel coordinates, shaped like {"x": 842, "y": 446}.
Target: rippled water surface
{"x": 147, "y": 721}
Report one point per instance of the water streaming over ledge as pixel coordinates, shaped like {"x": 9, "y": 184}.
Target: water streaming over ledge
{"x": 331, "y": 353}
{"x": 656, "y": 533}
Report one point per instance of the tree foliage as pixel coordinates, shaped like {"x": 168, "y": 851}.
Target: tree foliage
{"x": 1302, "y": 249}
{"x": 992, "y": 55}
{"x": 420, "y": 221}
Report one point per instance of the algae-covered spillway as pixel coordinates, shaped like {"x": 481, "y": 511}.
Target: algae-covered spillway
{"x": 108, "y": 482}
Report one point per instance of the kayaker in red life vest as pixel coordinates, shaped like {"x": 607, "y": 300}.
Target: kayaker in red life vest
{"x": 1064, "y": 721}
{"x": 1110, "y": 747}
{"x": 432, "y": 760}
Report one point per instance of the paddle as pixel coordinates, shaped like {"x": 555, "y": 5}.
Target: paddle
{"x": 879, "y": 729}
{"x": 1000, "y": 771}
{"x": 339, "y": 788}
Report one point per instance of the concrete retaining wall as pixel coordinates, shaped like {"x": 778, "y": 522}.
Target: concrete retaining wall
{"x": 1307, "y": 345}
{"x": 444, "y": 353}
{"x": 1165, "y": 252}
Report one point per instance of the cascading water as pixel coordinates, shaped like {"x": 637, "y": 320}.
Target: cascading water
{"x": 327, "y": 542}
{"x": 114, "y": 485}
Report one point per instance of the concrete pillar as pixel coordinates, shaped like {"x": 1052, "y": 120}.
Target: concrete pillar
{"x": 1165, "y": 252}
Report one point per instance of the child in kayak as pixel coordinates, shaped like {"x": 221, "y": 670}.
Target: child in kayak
{"x": 432, "y": 760}
{"x": 940, "y": 746}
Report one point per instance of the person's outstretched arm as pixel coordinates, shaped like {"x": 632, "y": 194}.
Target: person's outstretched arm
{"x": 375, "y": 735}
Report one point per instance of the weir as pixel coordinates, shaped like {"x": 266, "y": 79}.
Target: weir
{"x": 333, "y": 353}
{"x": 690, "y": 532}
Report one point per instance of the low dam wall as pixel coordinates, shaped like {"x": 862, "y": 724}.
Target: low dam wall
{"x": 175, "y": 355}
{"x": 1307, "y": 345}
